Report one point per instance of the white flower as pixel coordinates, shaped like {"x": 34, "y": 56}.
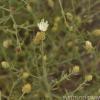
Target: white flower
{"x": 43, "y": 25}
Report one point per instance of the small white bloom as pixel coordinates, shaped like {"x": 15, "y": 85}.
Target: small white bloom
{"x": 43, "y": 25}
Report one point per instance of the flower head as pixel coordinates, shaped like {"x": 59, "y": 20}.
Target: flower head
{"x": 43, "y": 25}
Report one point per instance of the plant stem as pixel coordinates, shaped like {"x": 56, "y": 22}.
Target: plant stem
{"x": 45, "y": 71}
{"x": 0, "y": 95}
{"x": 63, "y": 78}
{"x": 20, "y": 98}
{"x": 63, "y": 14}
{"x": 14, "y": 84}
{"x": 79, "y": 87}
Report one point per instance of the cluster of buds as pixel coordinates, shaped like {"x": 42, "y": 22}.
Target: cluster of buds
{"x": 76, "y": 70}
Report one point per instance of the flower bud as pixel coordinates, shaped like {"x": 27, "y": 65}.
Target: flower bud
{"x": 51, "y": 3}
{"x": 69, "y": 16}
{"x": 7, "y": 43}
{"x": 40, "y": 36}
{"x": 29, "y": 8}
{"x": 55, "y": 27}
{"x": 44, "y": 57}
{"x": 70, "y": 44}
{"x": 57, "y": 19}
{"x": 78, "y": 19}
{"x": 88, "y": 78}
{"x": 25, "y": 75}
{"x": 99, "y": 91}
{"x": 76, "y": 69}
{"x": 27, "y": 88}
{"x": 88, "y": 46}
{"x": 96, "y": 32}
{"x": 5, "y": 64}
